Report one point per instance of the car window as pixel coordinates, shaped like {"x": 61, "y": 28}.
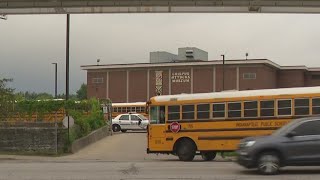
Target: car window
{"x": 142, "y": 117}
{"x": 308, "y": 128}
{"x": 135, "y": 118}
{"x": 124, "y": 118}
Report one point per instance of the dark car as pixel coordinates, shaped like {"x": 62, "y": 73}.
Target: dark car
{"x": 295, "y": 144}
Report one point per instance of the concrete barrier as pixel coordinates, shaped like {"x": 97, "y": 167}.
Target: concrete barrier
{"x": 32, "y": 140}
{"x": 91, "y": 138}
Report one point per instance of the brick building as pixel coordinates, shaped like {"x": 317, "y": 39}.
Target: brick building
{"x": 189, "y": 71}
{"x": 139, "y": 82}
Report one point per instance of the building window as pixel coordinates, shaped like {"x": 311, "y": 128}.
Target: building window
{"x": 301, "y": 107}
{"x": 203, "y": 111}
{"x": 315, "y": 76}
{"x": 234, "y": 109}
{"x": 284, "y": 107}
{"x": 188, "y": 112}
{"x": 249, "y": 76}
{"x": 97, "y": 80}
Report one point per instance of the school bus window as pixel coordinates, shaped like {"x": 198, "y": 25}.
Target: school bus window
{"x": 115, "y": 109}
{"x": 173, "y": 112}
{"x": 234, "y": 109}
{"x": 316, "y": 106}
{"x": 267, "y": 108}
{"x": 218, "y": 110}
{"x": 187, "y": 111}
{"x": 250, "y": 109}
{"x": 203, "y": 111}
{"x": 142, "y": 109}
{"x": 154, "y": 115}
{"x": 301, "y": 107}
{"x": 284, "y": 107}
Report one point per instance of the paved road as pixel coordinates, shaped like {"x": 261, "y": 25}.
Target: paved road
{"x": 123, "y": 156}
{"x": 74, "y": 170}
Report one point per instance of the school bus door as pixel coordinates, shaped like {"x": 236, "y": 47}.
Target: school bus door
{"x": 157, "y": 128}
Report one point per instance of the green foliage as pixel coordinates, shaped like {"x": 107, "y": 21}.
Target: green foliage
{"x": 88, "y": 122}
{"x": 87, "y": 114}
{"x": 6, "y": 99}
{"x": 82, "y": 92}
{"x": 33, "y": 96}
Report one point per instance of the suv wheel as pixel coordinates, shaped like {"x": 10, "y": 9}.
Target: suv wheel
{"x": 186, "y": 150}
{"x": 269, "y": 163}
{"x": 208, "y": 156}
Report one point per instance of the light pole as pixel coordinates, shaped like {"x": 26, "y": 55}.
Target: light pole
{"x": 56, "y": 80}
{"x": 67, "y": 69}
{"x": 222, "y": 72}
{"x": 55, "y": 96}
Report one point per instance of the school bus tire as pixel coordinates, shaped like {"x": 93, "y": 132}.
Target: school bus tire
{"x": 186, "y": 149}
{"x": 208, "y": 155}
{"x": 116, "y": 128}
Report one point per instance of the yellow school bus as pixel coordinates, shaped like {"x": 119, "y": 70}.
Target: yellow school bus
{"x": 134, "y": 107}
{"x": 206, "y": 123}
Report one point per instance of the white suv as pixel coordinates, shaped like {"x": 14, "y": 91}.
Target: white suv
{"x": 130, "y": 121}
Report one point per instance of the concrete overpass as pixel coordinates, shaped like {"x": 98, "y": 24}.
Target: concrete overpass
{"x": 157, "y": 6}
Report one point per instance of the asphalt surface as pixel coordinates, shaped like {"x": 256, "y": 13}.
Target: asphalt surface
{"x": 123, "y": 156}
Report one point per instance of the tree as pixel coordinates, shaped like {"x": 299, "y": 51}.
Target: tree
{"x": 6, "y": 98}
{"x": 82, "y": 92}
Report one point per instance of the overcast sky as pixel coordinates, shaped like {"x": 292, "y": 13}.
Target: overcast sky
{"x": 30, "y": 43}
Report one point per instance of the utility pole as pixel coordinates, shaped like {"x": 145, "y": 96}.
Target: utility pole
{"x": 222, "y": 72}
{"x": 56, "y": 81}
{"x": 67, "y": 70}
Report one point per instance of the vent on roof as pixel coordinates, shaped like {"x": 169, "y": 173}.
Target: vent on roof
{"x": 189, "y": 53}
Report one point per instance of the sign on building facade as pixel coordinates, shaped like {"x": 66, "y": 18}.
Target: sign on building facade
{"x": 158, "y": 82}
{"x": 180, "y": 77}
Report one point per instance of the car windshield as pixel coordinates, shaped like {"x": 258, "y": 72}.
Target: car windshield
{"x": 142, "y": 117}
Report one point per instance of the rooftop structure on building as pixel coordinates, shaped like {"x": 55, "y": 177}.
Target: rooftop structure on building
{"x": 184, "y": 54}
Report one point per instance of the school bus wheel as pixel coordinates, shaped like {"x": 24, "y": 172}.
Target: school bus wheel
{"x": 185, "y": 148}
{"x": 208, "y": 155}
